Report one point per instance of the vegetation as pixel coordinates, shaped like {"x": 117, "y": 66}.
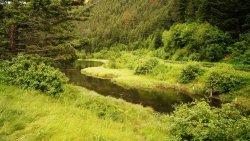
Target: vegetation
{"x": 223, "y": 82}
{"x": 195, "y": 77}
{"x": 77, "y": 109}
{"x": 76, "y": 114}
{"x": 189, "y": 73}
{"x": 31, "y": 72}
{"x": 147, "y": 66}
{"x": 197, "y": 46}
{"x": 198, "y": 121}
{"x": 192, "y": 41}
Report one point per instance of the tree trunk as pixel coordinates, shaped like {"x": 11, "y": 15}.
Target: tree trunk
{"x": 238, "y": 29}
{"x": 12, "y": 37}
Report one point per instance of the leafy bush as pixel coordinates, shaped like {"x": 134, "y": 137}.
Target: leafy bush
{"x": 206, "y": 41}
{"x": 223, "y": 82}
{"x": 189, "y": 73}
{"x": 32, "y": 71}
{"x": 199, "y": 121}
{"x": 146, "y": 66}
{"x": 240, "y": 51}
{"x": 213, "y": 52}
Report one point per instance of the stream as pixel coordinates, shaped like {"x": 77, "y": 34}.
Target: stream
{"x": 160, "y": 100}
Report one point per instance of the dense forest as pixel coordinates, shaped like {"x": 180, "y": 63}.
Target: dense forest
{"x": 146, "y": 70}
{"x": 154, "y": 24}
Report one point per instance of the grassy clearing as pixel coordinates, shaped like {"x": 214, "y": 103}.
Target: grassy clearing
{"x": 78, "y": 114}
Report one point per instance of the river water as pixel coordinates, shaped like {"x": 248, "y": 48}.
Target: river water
{"x": 160, "y": 100}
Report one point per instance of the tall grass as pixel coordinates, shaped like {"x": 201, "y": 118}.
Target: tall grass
{"x": 78, "y": 114}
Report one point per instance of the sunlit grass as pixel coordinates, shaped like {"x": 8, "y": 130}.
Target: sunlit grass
{"x": 78, "y": 114}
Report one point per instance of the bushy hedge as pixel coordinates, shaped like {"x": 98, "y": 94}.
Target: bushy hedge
{"x": 32, "y": 72}
{"x": 146, "y": 66}
{"x": 189, "y": 73}
{"x": 199, "y": 121}
{"x": 223, "y": 82}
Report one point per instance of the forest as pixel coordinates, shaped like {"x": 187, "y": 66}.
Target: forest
{"x": 125, "y": 70}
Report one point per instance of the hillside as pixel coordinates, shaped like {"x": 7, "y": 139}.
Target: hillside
{"x": 123, "y": 21}
{"x": 112, "y": 21}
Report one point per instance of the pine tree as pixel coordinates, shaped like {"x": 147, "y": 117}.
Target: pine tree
{"x": 37, "y": 22}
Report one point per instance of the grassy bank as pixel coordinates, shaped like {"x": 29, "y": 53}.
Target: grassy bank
{"x": 166, "y": 75}
{"x": 123, "y": 77}
{"x": 78, "y": 114}
{"x": 127, "y": 78}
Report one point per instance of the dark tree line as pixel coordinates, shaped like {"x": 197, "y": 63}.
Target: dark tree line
{"x": 228, "y": 15}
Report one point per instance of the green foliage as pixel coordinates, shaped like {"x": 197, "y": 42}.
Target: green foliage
{"x": 199, "y": 121}
{"x": 213, "y": 52}
{"x": 224, "y": 14}
{"x": 207, "y": 42}
{"x": 123, "y": 21}
{"x": 35, "y": 22}
{"x": 190, "y": 72}
{"x": 126, "y": 60}
{"x": 32, "y": 72}
{"x": 64, "y": 53}
{"x": 223, "y": 82}
{"x": 240, "y": 50}
{"x": 146, "y": 66}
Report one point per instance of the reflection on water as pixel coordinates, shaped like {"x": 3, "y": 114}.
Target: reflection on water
{"x": 161, "y": 101}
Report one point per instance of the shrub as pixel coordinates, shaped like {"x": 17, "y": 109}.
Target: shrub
{"x": 199, "y": 121}
{"x": 159, "y": 53}
{"x": 31, "y": 72}
{"x": 240, "y": 51}
{"x": 223, "y": 82}
{"x": 213, "y": 52}
{"x": 183, "y": 40}
{"x": 189, "y": 73}
{"x": 146, "y": 66}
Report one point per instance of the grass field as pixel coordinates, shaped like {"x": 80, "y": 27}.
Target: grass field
{"x": 78, "y": 114}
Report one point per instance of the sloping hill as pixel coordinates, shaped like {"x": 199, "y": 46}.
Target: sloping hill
{"x": 123, "y": 21}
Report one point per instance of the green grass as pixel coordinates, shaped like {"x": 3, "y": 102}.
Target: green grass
{"x": 78, "y": 114}
{"x": 166, "y": 75}
{"x": 123, "y": 77}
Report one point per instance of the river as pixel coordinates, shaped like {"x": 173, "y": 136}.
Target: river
{"x": 160, "y": 100}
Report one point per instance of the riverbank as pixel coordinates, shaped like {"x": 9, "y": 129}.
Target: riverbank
{"x": 166, "y": 75}
{"x": 80, "y": 114}
{"x": 76, "y": 114}
{"x": 127, "y": 79}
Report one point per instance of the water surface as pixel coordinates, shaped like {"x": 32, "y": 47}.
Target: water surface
{"x": 160, "y": 100}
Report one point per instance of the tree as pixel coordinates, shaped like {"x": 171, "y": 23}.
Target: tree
{"x": 229, "y": 15}
{"x": 177, "y": 10}
{"x": 33, "y": 22}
